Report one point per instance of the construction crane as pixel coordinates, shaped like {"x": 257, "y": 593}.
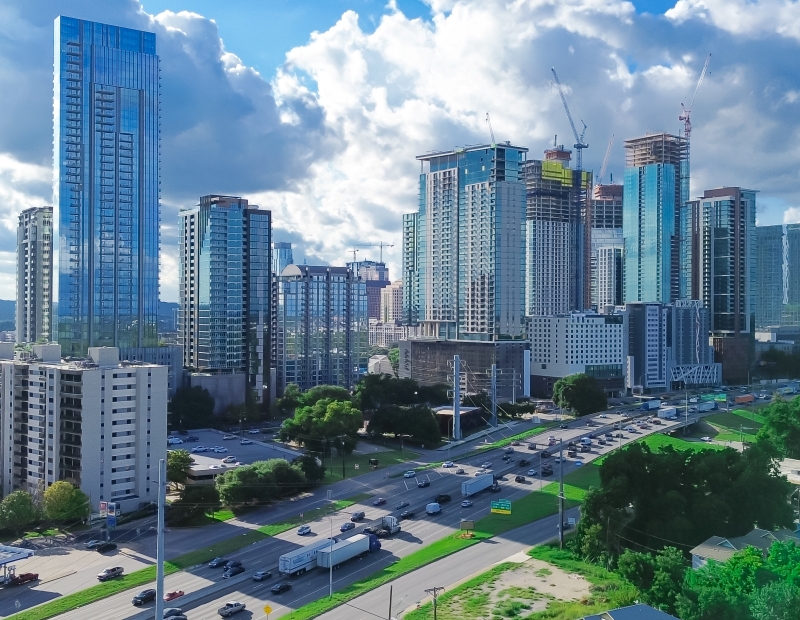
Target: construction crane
{"x": 491, "y": 131}
{"x": 579, "y": 143}
{"x": 687, "y": 112}
{"x": 354, "y": 251}
{"x": 605, "y": 161}
{"x": 380, "y": 244}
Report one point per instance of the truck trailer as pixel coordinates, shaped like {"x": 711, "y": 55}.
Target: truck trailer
{"x": 668, "y": 413}
{"x": 303, "y": 559}
{"x": 744, "y": 399}
{"x": 649, "y": 405}
{"x": 707, "y": 406}
{"x": 470, "y": 487}
{"x": 346, "y": 550}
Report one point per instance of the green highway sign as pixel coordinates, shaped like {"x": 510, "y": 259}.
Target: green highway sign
{"x": 502, "y": 507}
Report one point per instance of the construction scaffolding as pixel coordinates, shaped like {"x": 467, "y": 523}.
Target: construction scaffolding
{"x": 657, "y": 148}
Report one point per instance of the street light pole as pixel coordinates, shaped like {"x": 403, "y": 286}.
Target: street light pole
{"x": 561, "y": 495}
{"x": 434, "y": 592}
{"x": 162, "y": 487}
{"x": 330, "y": 562}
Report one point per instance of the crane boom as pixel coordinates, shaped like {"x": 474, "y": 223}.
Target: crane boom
{"x": 605, "y": 160}
{"x": 491, "y": 131}
{"x": 579, "y": 143}
{"x": 380, "y": 244}
{"x": 686, "y": 113}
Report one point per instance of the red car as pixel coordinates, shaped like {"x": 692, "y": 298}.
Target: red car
{"x": 24, "y": 578}
{"x": 171, "y": 596}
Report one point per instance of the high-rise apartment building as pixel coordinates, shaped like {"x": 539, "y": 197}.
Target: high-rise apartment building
{"x": 464, "y": 250}
{"x": 646, "y": 328}
{"x": 322, "y": 327}
{"x": 556, "y": 234}
{"x": 98, "y": 423}
{"x": 281, "y": 256}
{"x": 106, "y": 167}
{"x": 777, "y": 283}
{"x": 375, "y": 276}
{"x": 656, "y": 186}
{"x": 606, "y": 246}
{"x": 392, "y": 303}
{"x": 225, "y": 283}
{"x": 718, "y": 260}
{"x": 35, "y": 275}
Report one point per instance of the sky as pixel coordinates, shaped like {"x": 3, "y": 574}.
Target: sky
{"x": 317, "y": 109}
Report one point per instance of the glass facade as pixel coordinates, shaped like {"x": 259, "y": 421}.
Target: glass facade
{"x": 778, "y": 275}
{"x": 106, "y": 164}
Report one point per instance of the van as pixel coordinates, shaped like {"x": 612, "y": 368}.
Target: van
{"x": 433, "y": 508}
{"x": 586, "y": 441}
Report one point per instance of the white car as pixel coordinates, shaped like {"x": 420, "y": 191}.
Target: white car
{"x": 410, "y": 474}
{"x": 486, "y": 465}
{"x": 174, "y": 440}
{"x": 197, "y": 449}
{"x": 532, "y": 472}
{"x": 448, "y": 464}
{"x": 304, "y": 529}
{"x": 253, "y": 431}
{"x": 706, "y": 439}
{"x": 229, "y": 459}
{"x": 220, "y": 450}
{"x": 246, "y": 442}
{"x": 466, "y": 503}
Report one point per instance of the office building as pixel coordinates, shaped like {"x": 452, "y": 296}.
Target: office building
{"x": 225, "y": 287}
{"x": 375, "y": 276}
{"x": 556, "y": 235}
{"x": 656, "y": 186}
{"x": 690, "y": 356}
{"x": 392, "y": 303}
{"x": 98, "y": 423}
{"x": 387, "y": 335}
{"x": 281, "y": 256}
{"x": 35, "y": 275}
{"x": 322, "y": 327}
{"x": 579, "y": 342}
{"x": 646, "y": 347}
{"x": 464, "y": 250}
{"x": 606, "y": 247}
{"x": 718, "y": 259}
{"x": 777, "y": 283}
{"x": 106, "y": 167}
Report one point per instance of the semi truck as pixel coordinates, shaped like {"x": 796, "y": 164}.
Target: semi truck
{"x": 707, "y": 406}
{"x": 346, "y": 550}
{"x": 668, "y": 413}
{"x": 649, "y": 405}
{"x": 744, "y": 399}
{"x": 479, "y": 483}
{"x": 384, "y": 527}
{"x": 303, "y": 559}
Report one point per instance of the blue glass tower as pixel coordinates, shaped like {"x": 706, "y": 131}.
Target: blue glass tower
{"x": 106, "y": 164}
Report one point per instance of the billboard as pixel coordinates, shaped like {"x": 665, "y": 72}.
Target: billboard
{"x": 502, "y": 507}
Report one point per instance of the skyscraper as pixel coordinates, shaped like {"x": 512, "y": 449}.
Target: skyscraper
{"x": 606, "y": 246}
{"x": 375, "y": 276}
{"x": 281, "y": 256}
{"x": 556, "y": 235}
{"x": 226, "y": 288}
{"x": 777, "y": 283}
{"x": 464, "y": 251}
{"x": 656, "y": 186}
{"x": 106, "y": 166}
{"x": 35, "y": 274}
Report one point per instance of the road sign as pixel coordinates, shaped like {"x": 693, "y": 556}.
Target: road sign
{"x": 267, "y": 609}
{"x": 111, "y": 522}
{"x": 502, "y": 507}
{"x": 356, "y": 465}
{"x": 103, "y": 509}
{"x": 467, "y": 525}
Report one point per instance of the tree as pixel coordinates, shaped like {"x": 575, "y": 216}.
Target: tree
{"x": 637, "y": 568}
{"x": 782, "y": 426}
{"x": 195, "y": 501}
{"x": 777, "y": 601}
{"x": 580, "y": 393}
{"x": 290, "y": 400}
{"x": 260, "y": 482}
{"x": 191, "y": 407}
{"x": 311, "y": 466}
{"x": 394, "y": 359}
{"x": 325, "y": 392}
{"x": 64, "y": 502}
{"x": 669, "y": 567}
{"x": 417, "y": 422}
{"x": 319, "y": 427}
{"x": 178, "y": 464}
{"x": 17, "y": 511}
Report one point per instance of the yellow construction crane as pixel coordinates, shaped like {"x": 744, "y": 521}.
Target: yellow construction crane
{"x": 380, "y": 244}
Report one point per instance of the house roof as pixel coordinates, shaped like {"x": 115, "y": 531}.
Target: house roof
{"x": 634, "y": 612}
{"x": 721, "y": 549}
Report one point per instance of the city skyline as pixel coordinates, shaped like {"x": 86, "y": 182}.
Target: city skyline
{"x": 314, "y": 180}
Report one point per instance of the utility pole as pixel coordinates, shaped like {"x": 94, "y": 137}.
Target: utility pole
{"x": 390, "y": 603}
{"x": 162, "y": 482}
{"x": 561, "y": 495}
{"x": 435, "y": 593}
{"x": 494, "y": 391}
{"x": 341, "y": 442}
{"x": 456, "y": 398}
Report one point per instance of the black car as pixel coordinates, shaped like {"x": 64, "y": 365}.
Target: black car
{"x": 145, "y": 596}
{"x": 401, "y": 505}
{"x": 506, "y": 457}
{"x": 105, "y": 547}
{"x": 546, "y": 454}
{"x": 519, "y": 479}
{"x": 192, "y": 438}
{"x": 233, "y": 564}
{"x": 547, "y": 471}
{"x": 280, "y": 588}
{"x": 524, "y": 462}
{"x": 423, "y": 483}
{"x": 183, "y": 432}
{"x": 442, "y": 498}
{"x": 217, "y": 562}
{"x": 358, "y": 516}
{"x": 233, "y": 571}
{"x": 407, "y": 514}
{"x": 563, "y": 426}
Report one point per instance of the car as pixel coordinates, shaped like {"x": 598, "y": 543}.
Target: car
{"x": 218, "y": 562}
{"x": 176, "y": 613}
{"x": 609, "y": 436}
{"x": 591, "y": 424}
{"x": 173, "y": 441}
{"x": 563, "y": 426}
{"x": 410, "y": 474}
{"x": 232, "y": 564}
{"x": 486, "y": 465}
{"x": 509, "y": 450}
{"x": 230, "y": 608}
{"x": 706, "y": 439}
{"x": 303, "y": 530}
{"x": 145, "y": 596}
{"x": 532, "y": 472}
{"x": 18, "y": 580}
{"x": 358, "y": 516}
{"x": 602, "y": 415}
{"x": 401, "y": 505}
{"x": 515, "y": 443}
{"x": 620, "y": 435}
{"x": 407, "y": 514}
{"x": 601, "y": 441}
{"x": 507, "y": 458}
{"x": 466, "y": 504}
{"x": 646, "y": 426}
{"x": 232, "y": 572}
{"x": 229, "y": 459}
{"x": 105, "y": 547}
{"x": 228, "y": 437}
{"x": 280, "y": 588}
{"x": 519, "y": 478}
{"x": 460, "y": 470}
{"x": 370, "y": 530}
{"x": 215, "y": 466}
{"x": 171, "y": 596}
{"x": 531, "y": 446}
{"x": 379, "y": 502}
{"x": 448, "y": 464}
{"x": 110, "y": 573}
{"x": 198, "y": 449}
{"x": 92, "y": 544}
{"x": 246, "y": 442}
{"x": 347, "y": 526}
{"x": 547, "y": 471}
{"x": 546, "y": 454}
{"x": 253, "y": 431}
{"x": 220, "y": 450}
{"x": 557, "y": 460}
{"x": 261, "y": 575}
{"x": 480, "y": 472}
{"x": 192, "y": 438}
{"x": 630, "y": 429}
{"x": 442, "y": 498}
{"x": 524, "y": 462}
{"x": 423, "y": 483}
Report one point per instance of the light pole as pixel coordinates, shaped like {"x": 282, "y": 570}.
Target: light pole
{"x": 743, "y": 428}
{"x": 330, "y": 561}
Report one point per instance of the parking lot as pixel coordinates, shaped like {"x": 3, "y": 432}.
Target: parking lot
{"x": 258, "y": 447}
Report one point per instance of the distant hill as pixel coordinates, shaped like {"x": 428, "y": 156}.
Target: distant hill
{"x": 7, "y": 310}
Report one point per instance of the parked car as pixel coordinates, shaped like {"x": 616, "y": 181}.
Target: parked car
{"x": 303, "y": 530}
{"x": 145, "y": 596}
{"x": 448, "y": 464}
{"x": 18, "y": 580}
{"x": 519, "y": 478}
{"x": 466, "y": 504}
{"x": 401, "y": 505}
{"x": 192, "y": 438}
{"x": 228, "y": 437}
{"x": 229, "y": 459}
{"x": 105, "y": 547}
{"x": 197, "y": 449}
{"x": 407, "y": 514}
{"x": 230, "y": 608}
{"x": 423, "y": 483}
{"x": 110, "y": 573}
{"x": 253, "y": 431}
{"x": 280, "y": 588}
{"x": 92, "y": 544}
{"x": 218, "y": 562}
{"x": 379, "y": 502}
{"x": 460, "y": 470}
{"x": 232, "y": 572}
{"x": 410, "y": 474}
{"x": 220, "y": 450}
{"x": 442, "y": 498}
{"x": 347, "y": 526}
{"x": 171, "y": 596}
{"x": 261, "y": 575}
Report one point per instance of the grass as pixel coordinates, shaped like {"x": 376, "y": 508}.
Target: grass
{"x": 657, "y": 440}
{"x": 48, "y": 532}
{"x": 733, "y": 420}
{"x": 431, "y": 553}
{"x": 274, "y": 529}
{"x": 333, "y": 466}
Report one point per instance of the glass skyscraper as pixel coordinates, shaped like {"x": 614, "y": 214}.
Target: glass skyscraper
{"x": 106, "y": 164}
{"x": 777, "y": 284}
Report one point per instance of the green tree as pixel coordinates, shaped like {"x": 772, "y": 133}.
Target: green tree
{"x": 62, "y": 501}
{"x": 17, "y": 511}
{"x": 325, "y": 392}
{"x": 195, "y": 501}
{"x": 191, "y": 407}
{"x": 417, "y": 422}
{"x": 260, "y": 483}
{"x": 394, "y": 359}
{"x": 312, "y": 467}
{"x": 580, "y": 393}
{"x": 779, "y": 600}
{"x": 782, "y": 427}
{"x": 290, "y": 400}
{"x": 636, "y": 567}
{"x": 178, "y": 464}
{"x": 669, "y": 568}
{"x": 319, "y": 427}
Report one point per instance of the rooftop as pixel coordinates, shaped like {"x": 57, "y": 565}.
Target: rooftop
{"x": 471, "y": 147}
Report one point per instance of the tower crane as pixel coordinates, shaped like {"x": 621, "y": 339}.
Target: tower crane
{"x": 579, "y": 143}
{"x": 605, "y": 161}
{"x": 491, "y": 131}
{"x": 687, "y": 112}
{"x": 380, "y": 244}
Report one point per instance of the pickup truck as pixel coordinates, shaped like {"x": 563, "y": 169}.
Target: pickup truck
{"x": 110, "y": 573}
{"x": 230, "y": 608}
{"x": 18, "y": 580}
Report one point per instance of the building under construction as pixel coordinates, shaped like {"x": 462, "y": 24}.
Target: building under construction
{"x": 605, "y": 243}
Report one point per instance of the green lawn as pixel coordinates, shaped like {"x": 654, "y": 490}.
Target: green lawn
{"x": 733, "y": 420}
{"x": 333, "y": 466}
{"x": 657, "y": 440}
{"x": 48, "y": 532}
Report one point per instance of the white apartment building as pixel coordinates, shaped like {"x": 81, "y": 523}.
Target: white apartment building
{"x": 35, "y": 274}
{"x": 392, "y": 302}
{"x": 98, "y": 423}
{"x": 389, "y": 334}
{"x": 580, "y": 342}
